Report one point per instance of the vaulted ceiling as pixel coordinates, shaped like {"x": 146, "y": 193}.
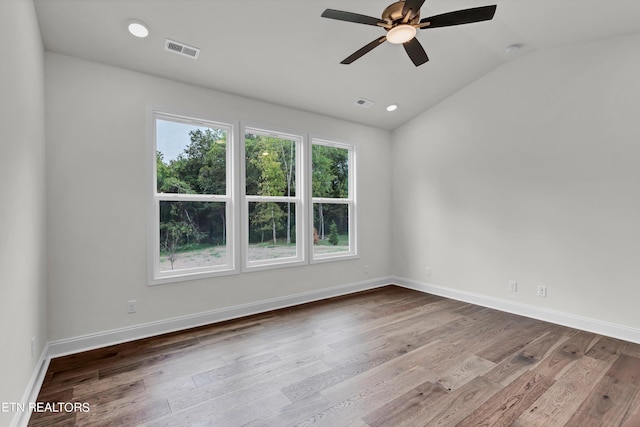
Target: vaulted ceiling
{"x": 283, "y": 52}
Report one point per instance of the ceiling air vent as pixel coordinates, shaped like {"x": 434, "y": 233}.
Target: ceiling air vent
{"x": 181, "y": 49}
{"x": 365, "y": 103}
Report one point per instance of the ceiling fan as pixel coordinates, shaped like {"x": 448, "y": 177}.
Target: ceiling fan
{"x": 401, "y": 20}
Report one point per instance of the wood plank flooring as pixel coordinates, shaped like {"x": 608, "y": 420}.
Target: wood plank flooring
{"x": 389, "y": 357}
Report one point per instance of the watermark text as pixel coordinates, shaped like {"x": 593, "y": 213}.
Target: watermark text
{"x": 45, "y": 407}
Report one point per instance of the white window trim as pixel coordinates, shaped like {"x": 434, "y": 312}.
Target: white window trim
{"x": 154, "y": 275}
{"x": 299, "y": 200}
{"x": 237, "y": 202}
{"x": 351, "y": 201}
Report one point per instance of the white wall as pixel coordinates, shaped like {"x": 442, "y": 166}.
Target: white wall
{"x": 530, "y": 174}
{"x": 97, "y": 131}
{"x": 22, "y": 200}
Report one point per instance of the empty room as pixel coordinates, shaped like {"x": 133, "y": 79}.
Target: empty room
{"x": 320, "y": 212}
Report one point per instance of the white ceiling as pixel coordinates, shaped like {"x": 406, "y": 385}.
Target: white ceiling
{"x": 283, "y": 52}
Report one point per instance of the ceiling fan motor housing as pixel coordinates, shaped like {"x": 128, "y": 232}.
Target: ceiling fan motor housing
{"x": 393, "y": 13}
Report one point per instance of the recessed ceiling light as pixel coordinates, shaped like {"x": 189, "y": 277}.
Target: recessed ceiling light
{"x": 138, "y": 29}
{"x": 392, "y": 107}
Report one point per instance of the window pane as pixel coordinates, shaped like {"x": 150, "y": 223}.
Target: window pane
{"x": 190, "y": 159}
{"x": 270, "y": 166}
{"x": 192, "y": 235}
{"x": 330, "y": 228}
{"x": 330, "y": 174}
{"x": 272, "y": 231}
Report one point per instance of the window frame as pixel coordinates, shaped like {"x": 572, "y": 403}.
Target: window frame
{"x": 299, "y": 199}
{"x": 351, "y": 201}
{"x": 155, "y": 275}
{"x": 237, "y": 202}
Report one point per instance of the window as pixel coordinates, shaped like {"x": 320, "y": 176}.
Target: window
{"x": 333, "y": 199}
{"x": 192, "y": 201}
{"x": 272, "y": 198}
{"x": 270, "y": 201}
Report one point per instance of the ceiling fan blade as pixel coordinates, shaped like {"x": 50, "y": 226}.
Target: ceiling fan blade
{"x": 465, "y": 16}
{"x": 413, "y": 5}
{"x": 341, "y": 15}
{"x": 363, "y": 50}
{"x": 416, "y": 52}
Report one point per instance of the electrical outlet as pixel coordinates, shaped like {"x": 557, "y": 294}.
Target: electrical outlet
{"x": 542, "y": 291}
{"x": 131, "y": 306}
{"x": 428, "y": 271}
{"x": 366, "y": 269}
{"x": 513, "y": 286}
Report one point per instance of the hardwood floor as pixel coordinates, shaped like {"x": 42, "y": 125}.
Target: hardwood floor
{"x": 386, "y": 357}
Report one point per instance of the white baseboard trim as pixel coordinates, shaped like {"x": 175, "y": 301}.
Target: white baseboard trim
{"x": 573, "y": 321}
{"x": 21, "y": 419}
{"x": 117, "y": 336}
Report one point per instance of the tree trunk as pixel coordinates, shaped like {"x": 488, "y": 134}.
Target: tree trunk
{"x": 273, "y": 226}
{"x": 321, "y": 215}
{"x": 288, "y": 223}
{"x": 289, "y": 167}
{"x": 224, "y": 228}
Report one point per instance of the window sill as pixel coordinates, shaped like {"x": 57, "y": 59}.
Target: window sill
{"x": 168, "y": 279}
{"x": 342, "y": 257}
{"x": 273, "y": 265}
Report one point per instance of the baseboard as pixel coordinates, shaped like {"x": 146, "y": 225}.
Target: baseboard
{"x": 21, "y": 419}
{"x": 573, "y": 321}
{"x": 117, "y": 336}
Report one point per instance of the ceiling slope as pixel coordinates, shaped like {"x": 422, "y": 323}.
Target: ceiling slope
{"x": 282, "y": 51}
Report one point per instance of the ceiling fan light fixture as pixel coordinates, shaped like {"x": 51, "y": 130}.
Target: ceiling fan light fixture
{"x": 401, "y": 34}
